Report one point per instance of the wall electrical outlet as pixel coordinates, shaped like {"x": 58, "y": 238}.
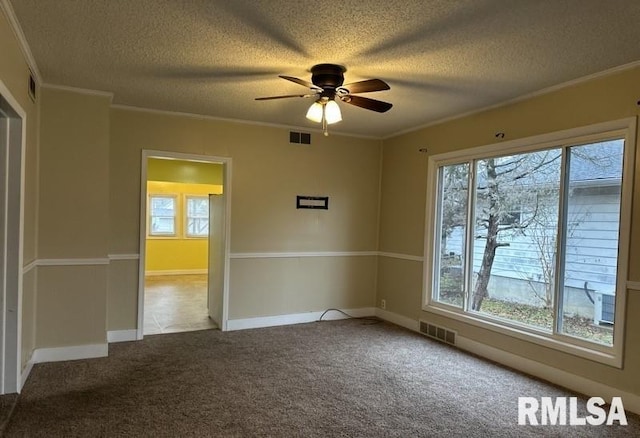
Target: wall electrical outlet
{"x": 383, "y": 304}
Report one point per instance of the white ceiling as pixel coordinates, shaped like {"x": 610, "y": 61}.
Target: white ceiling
{"x": 213, "y": 57}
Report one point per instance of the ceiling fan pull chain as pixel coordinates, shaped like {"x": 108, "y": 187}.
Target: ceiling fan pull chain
{"x": 324, "y": 121}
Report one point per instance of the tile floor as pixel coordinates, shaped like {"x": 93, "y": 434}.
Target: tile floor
{"x": 175, "y": 303}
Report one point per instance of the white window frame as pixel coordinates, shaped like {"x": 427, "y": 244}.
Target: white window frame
{"x": 150, "y": 232}
{"x": 186, "y": 217}
{"x": 609, "y": 355}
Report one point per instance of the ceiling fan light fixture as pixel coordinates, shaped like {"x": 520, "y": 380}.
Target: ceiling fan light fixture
{"x": 315, "y": 112}
{"x": 332, "y": 112}
{"x": 326, "y": 85}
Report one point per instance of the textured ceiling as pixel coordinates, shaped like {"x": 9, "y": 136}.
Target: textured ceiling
{"x": 213, "y": 57}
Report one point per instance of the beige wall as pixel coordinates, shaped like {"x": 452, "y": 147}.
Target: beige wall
{"x": 14, "y": 74}
{"x": 71, "y": 306}
{"x": 267, "y": 174}
{"x": 73, "y": 218}
{"x": 74, "y": 175}
{"x": 404, "y": 196}
{"x": 282, "y": 286}
{"x": 122, "y": 301}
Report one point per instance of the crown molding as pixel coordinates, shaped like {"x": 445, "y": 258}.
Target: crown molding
{"x": 240, "y": 121}
{"x": 86, "y": 91}
{"x": 522, "y": 98}
{"x": 8, "y": 11}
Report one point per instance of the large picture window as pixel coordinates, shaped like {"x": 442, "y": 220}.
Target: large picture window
{"x": 531, "y": 242}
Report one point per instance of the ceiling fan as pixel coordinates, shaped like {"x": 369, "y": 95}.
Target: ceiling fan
{"x": 327, "y": 85}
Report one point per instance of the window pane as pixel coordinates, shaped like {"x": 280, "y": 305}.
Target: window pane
{"x": 198, "y": 207}
{"x": 198, "y": 227}
{"x": 515, "y": 229}
{"x": 197, "y": 216}
{"x": 162, "y": 212}
{"x": 162, "y": 206}
{"x": 162, "y": 225}
{"x": 591, "y": 254}
{"x": 452, "y": 226}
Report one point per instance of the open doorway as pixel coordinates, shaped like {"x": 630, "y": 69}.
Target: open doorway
{"x": 12, "y": 136}
{"x": 183, "y": 242}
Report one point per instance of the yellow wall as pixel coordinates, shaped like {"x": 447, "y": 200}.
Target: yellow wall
{"x": 178, "y": 254}
{"x": 402, "y": 219}
{"x": 169, "y": 170}
{"x": 14, "y": 74}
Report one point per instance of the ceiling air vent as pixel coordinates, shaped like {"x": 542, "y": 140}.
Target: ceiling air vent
{"x": 32, "y": 87}
{"x": 438, "y": 333}
{"x": 299, "y": 137}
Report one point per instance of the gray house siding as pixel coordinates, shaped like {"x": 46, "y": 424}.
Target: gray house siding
{"x": 591, "y": 253}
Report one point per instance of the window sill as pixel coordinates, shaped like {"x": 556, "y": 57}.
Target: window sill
{"x": 601, "y": 354}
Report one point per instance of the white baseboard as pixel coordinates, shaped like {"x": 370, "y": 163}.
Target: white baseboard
{"x": 42, "y": 355}
{"x": 554, "y": 375}
{"x": 122, "y": 335}
{"x": 557, "y": 376}
{"x": 402, "y": 321}
{"x": 26, "y": 372}
{"x": 295, "y": 318}
{"x": 176, "y": 272}
{"x": 75, "y": 352}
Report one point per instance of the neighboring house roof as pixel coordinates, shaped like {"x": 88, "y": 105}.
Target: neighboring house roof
{"x": 605, "y": 163}
{"x": 594, "y": 164}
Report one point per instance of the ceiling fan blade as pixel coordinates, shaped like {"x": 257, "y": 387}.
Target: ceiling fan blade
{"x": 285, "y": 97}
{"x": 370, "y": 104}
{"x": 367, "y": 86}
{"x": 301, "y": 82}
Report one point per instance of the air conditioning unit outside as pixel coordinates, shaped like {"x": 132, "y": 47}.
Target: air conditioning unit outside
{"x": 604, "y": 308}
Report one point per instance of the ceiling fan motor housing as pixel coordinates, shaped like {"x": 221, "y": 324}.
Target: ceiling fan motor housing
{"x": 329, "y": 76}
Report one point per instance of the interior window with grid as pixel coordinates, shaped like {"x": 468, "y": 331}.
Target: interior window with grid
{"x": 549, "y": 267}
{"x": 197, "y": 220}
{"x": 162, "y": 215}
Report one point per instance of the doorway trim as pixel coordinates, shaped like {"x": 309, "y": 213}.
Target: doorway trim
{"x": 226, "y": 187}
{"x": 11, "y": 351}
